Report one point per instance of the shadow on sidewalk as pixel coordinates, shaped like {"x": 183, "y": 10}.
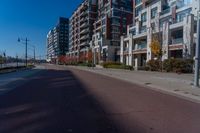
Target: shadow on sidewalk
{"x": 54, "y": 102}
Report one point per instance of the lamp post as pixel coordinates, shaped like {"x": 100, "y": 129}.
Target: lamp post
{"x": 17, "y": 60}
{"x": 26, "y": 43}
{"x": 33, "y": 52}
{"x": 197, "y": 56}
{"x": 4, "y": 58}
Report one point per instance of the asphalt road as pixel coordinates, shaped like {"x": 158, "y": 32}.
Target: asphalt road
{"x": 65, "y": 100}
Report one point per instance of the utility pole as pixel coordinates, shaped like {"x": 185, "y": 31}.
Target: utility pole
{"x": 197, "y": 56}
{"x": 17, "y": 60}
{"x": 34, "y": 53}
{"x": 26, "y": 49}
{"x": 94, "y": 57}
{"x": 34, "y": 56}
{"x": 5, "y": 60}
{"x": 1, "y": 60}
{"x": 26, "y": 52}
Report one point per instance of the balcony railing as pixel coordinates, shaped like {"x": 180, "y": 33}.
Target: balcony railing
{"x": 142, "y": 30}
{"x": 176, "y": 41}
{"x": 84, "y": 31}
{"x": 165, "y": 11}
{"x": 126, "y": 49}
{"x": 141, "y": 46}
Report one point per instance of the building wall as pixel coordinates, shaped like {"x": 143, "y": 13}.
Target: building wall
{"x": 81, "y": 27}
{"x": 172, "y": 21}
{"x": 111, "y": 23}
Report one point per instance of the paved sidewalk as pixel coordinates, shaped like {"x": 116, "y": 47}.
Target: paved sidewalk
{"x": 180, "y": 85}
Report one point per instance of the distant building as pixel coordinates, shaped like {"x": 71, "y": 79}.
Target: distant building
{"x": 58, "y": 40}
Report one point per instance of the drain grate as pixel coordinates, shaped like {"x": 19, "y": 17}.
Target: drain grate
{"x": 148, "y": 83}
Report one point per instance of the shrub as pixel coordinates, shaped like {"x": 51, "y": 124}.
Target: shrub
{"x": 168, "y": 65}
{"x": 108, "y": 64}
{"x": 154, "y": 65}
{"x": 116, "y": 65}
{"x": 127, "y": 67}
{"x": 178, "y": 65}
{"x": 91, "y": 65}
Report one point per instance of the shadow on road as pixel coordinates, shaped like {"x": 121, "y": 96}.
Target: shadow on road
{"x": 53, "y": 102}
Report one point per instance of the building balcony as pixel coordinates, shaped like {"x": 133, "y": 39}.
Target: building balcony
{"x": 84, "y": 31}
{"x": 83, "y": 20}
{"x": 84, "y": 37}
{"x": 176, "y": 47}
{"x": 83, "y": 43}
{"x": 126, "y": 49}
{"x": 140, "y": 46}
{"x": 165, "y": 11}
{"x": 142, "y": 30}
{"x": 178, "y": 23}
{"x": 83, "y": 14}
{"x": 146, "y": 2}
{"x": 176, "y": 41}
{"x": 84, "y": 25}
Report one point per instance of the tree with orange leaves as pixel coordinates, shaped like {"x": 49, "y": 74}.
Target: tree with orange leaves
{"x": 156, "y": 46}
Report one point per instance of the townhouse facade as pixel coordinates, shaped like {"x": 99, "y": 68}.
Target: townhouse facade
{"x": 111, "y": 22}
{"x": 81, "y": 28}
{"x": 58, "y": 40}
{"x": 174, "y": 21}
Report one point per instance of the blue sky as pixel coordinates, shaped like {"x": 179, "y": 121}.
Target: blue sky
{"x": 32, "y": 19}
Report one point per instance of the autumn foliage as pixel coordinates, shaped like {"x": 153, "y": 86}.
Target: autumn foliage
{"x": 83, "y": 57}
{"x": 155, "y": 46}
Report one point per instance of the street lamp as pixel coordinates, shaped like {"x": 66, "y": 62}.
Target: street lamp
{"x": 24, "y": 41}
{"x": 17, "y": 60}
{"x": 197, "y": 56}
{"x": 33, "y": 46}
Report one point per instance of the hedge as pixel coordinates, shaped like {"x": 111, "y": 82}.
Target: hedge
{"x": 154, "y": 65}
{"x": 178, "y": 65}
{"x": 116, "y": 65}
{"x": 172, "y": 65}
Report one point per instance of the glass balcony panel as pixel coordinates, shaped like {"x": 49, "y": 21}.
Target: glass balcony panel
{"x": 176, "y": 41}
{"x": 165, "y": 11}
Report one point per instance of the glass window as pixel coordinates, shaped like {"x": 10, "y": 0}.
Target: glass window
{"x": 133, "y": 31}
{"x": 138, "y": 10}
{"x": 137, "y": 2}
{"x": 144, "y": 17}
{"x": 154, "y": 12}
{"x": 115, "y": 21}
{"x": 116, "y": 13}
{"x": 115, "y": 29}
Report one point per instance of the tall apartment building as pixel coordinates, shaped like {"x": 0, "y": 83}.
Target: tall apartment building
{"x": 112, "y": 20}
{"x": 81, "y": 28}
{"x": 58, "y": 40}
{"x": 173, "y": 21}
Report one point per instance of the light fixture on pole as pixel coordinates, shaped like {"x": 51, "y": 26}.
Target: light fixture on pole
{"x": 26, "y": 43}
